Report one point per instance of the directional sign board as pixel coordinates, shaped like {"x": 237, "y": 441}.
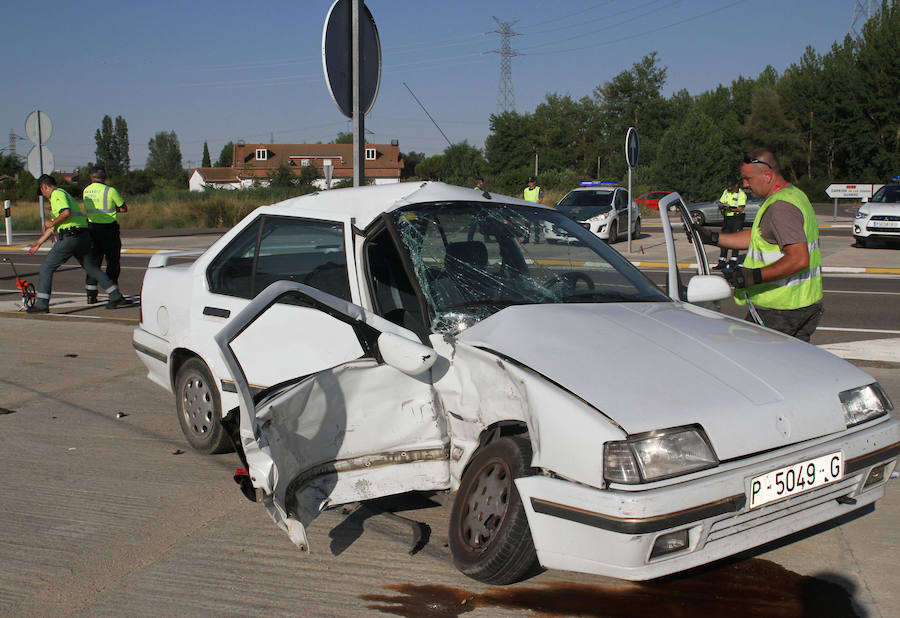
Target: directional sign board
{"x": 38, "y": 127}
{"x": 36, "y": 165}
{"x": 337, "y": 57}
{"x": 849, "y": 190}
{"x": 632, "y": 147}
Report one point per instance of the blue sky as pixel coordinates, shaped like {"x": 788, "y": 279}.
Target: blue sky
{"x": 228, "y": 70}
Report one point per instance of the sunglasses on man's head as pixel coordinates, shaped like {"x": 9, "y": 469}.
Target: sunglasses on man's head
{"x": 748, "y": 159}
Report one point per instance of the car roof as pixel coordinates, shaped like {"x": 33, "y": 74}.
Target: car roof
{"x": 365, "y": 204}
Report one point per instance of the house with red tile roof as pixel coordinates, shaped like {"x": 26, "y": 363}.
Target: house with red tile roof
{"x": 255, "y": 162}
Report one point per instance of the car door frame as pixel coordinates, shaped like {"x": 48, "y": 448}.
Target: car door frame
{"x": 425, "y": 468}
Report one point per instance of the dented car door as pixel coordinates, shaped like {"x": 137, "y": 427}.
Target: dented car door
{"x": 364, "y": 427}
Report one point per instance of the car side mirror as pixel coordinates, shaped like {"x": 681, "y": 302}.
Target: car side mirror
{"x": 410, "y": 357}
{"x": 705, "y": 288}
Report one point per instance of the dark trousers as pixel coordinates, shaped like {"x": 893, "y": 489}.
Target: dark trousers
{"x": 108, "y": 246}
{"x": 799, "y": 323}
{"x": 732, "y": 224}
{"x": 79, "y": 247}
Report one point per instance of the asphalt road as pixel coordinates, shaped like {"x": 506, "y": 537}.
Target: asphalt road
{"x": 107, "y": 511}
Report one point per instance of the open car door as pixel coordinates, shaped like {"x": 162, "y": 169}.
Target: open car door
{"x": 702, "y": 288}
{"x": 353, "y": 430}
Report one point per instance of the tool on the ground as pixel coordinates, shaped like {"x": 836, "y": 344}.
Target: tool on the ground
{"x": 29, "y": 295}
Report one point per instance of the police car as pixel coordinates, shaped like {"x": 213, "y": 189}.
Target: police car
{"x": 601, "y": 207}
{"x": 380, "y": 340}
{"x": 879, "y": 218}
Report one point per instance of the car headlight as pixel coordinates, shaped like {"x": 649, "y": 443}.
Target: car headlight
{"x": 861, "y": 214}
{"x": 865, "y": 403}
{"x": 657, "y": 455}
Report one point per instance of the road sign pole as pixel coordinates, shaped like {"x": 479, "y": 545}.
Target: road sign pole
{"x": 40, "y": 146}
{"x": 359, "y": 123}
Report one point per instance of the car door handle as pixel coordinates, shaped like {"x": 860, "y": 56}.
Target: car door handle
{"x": 216, "y": 312}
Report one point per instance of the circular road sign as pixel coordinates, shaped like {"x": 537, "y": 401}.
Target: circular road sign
{"x": 34, "y": 161}
{"x": 337, "y": 57}
{"x": 31, "y": 127}
{"x": 632, "y": 147}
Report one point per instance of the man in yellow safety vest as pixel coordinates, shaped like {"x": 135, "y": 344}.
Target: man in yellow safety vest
{"x": 781, "y": 277}
{"x": 732, "y": 203}
{"x": 102, "y": 205}
{"x": 533, "y": 193}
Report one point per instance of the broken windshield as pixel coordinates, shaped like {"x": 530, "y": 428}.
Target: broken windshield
{"x": 472, "y": 260}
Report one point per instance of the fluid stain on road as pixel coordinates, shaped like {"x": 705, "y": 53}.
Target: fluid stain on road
{"x": 751, "y": 588}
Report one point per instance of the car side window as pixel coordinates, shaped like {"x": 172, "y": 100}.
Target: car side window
{"x": 281, "y": 248}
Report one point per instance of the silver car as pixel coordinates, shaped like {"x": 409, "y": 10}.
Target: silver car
{"x": 709, "y": 213}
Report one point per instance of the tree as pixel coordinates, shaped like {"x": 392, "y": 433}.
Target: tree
{"x": 343, "y": 138}
{"x": 164, "y": 160}
{"x": 112, "y": 146}
{"x": 429, "y": 169}
{"x": 410, "y": 160}
{"x": 226, "y": 155}
{"x": 206, "y": 162}
{"x": 509, "y": 146}
{"x": 461, "y": 164}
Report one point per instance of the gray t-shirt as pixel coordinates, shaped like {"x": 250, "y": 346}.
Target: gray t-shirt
{"x": 782, "y": 224}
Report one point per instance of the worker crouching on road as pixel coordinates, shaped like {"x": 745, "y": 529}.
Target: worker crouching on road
{"x": 781, "y": 276}
{"x": 74, "y": 240}
{"x": 102, "y": 205}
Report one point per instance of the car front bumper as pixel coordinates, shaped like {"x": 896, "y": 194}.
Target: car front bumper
{"x": 613, "y": 532}
{"x": 877, "y": 228}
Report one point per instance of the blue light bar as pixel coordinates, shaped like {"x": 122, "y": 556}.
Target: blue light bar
{"x": 897, "y": 177}
{"x": 599, "y": 183}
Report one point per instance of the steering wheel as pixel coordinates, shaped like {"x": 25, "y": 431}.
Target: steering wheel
{"x": 569, "y": 280}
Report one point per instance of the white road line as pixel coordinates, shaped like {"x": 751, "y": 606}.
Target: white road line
{"x": 887, "y": 350}
{"x": 859, "y": 330}
{"x": 859, "y": 292}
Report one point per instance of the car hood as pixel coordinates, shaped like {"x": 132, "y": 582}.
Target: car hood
{"x": 651, "y": 366}
{"x": 878, "y": 208}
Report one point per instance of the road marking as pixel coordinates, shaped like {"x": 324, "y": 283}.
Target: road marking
{"x": 885, "y": 350}
{"x": 859, "y": 330}
{"x": 860, "y": 292}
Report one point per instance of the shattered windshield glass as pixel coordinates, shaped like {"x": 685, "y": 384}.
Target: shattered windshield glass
{"x": 472, "y": 260}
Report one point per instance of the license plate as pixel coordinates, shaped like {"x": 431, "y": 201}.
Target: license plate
{"x": 884, "y": 223}
{"x": 796, "y": 479}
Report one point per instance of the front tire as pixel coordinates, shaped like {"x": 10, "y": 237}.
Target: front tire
{"x": 613, "y": 233}
{"x": 697, "y": 218}
{"x": 637, "y": 229}
{"x": 490, "y": 540}
{"x": 860, "y": 241}
{"x": 199, "y": 409}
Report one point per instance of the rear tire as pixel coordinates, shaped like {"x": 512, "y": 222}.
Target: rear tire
{"x": 489, "y": 535}
{"x": 199, "y": 409}
{"x": 28, "y": 295}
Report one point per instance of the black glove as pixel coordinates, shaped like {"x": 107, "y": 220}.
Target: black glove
{"x": 742, "y": 277}
{"x": 707, "y": 236}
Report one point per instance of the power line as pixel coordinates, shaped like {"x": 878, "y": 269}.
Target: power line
{"x": 506, "y": 97}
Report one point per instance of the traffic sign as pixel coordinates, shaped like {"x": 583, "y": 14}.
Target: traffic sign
{"x": 337, "y": 57}
{"x": 40, "y": 161}
{"x": 854, "y": 190}
{"x": 632, "y": 147}
{"x": 38, "y": 127}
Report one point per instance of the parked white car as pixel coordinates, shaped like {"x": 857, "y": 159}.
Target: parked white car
{"x": 601, "y": 207}
{"x": 879, "y": 218}
{"x": 402, "y": 338}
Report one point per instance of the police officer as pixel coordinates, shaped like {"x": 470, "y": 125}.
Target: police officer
{"x": 732, "y": 203}
{"x": 781, "y": 277}
{"x": 74, "y": 240}
{"x": 102, "y": 205}
{"x": 533, "y": 193}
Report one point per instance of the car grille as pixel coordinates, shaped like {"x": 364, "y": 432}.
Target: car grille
{"x": 885, "y": 218}
{"x": 748, "y": 520}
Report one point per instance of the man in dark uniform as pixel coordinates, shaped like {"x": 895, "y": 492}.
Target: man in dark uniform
{"x": 102, "y": 205}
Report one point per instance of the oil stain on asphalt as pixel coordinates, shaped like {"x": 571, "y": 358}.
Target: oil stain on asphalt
{"x": 754, "y": 588}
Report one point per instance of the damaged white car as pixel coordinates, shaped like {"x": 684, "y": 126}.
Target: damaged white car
{"x": 586, "y": 419}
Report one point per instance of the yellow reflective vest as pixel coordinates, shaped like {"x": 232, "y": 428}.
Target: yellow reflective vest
{"x": 795, "y": 291}
{"x": 733, "y": 199}
{"x": 100, "y": 203}
{"x": 60, "y": 201}
{"x": 531, "y": 195}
